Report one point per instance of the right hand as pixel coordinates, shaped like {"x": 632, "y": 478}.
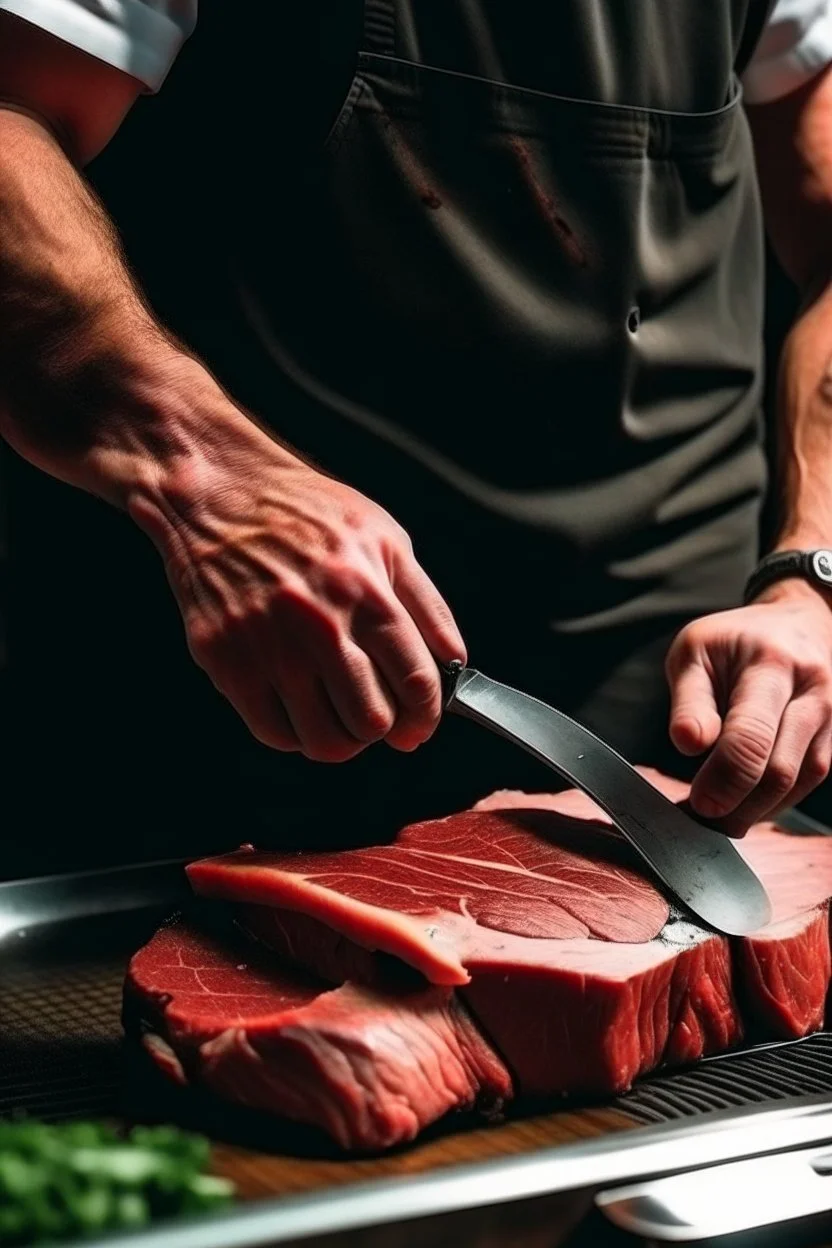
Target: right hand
{"x": 302, "y": 599}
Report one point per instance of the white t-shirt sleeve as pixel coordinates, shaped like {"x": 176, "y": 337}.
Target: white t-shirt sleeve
{"x": 141, "y": 37}
{"x": 796, "y": 45}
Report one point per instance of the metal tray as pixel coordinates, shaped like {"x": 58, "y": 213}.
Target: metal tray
{"x": 64, "y": 945}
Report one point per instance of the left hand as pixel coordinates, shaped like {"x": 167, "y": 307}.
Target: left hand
{"x": 754, "y": 686}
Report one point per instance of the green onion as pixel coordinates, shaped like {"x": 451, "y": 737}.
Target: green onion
{"x": 82, "y": 1178}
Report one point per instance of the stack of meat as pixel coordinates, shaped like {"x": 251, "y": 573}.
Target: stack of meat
{"x": 515, "y": 949}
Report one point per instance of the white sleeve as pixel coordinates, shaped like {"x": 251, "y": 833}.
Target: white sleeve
{"x": 141, "y": 37}
{"x": 796, "y": 45}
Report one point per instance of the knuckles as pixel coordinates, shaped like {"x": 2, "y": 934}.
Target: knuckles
{"x": 781, "y": 778}
{"x": 816, "y": 766}
{"x": 204, "y": 641}
{"x": 817, "y": 674}
{"x": 746, "y": 748}
{"x": 420, "y": 691}
{"x": 376, "y": 725}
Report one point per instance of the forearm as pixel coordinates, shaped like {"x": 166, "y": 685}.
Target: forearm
{"x": 793, "y": 139}
{"x": 91, "y": 388}
{"x": 804, "y": 429}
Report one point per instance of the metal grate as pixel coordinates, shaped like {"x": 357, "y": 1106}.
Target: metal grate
{"x": 61, "y": 1053}
{"x": 771, "y": 1072}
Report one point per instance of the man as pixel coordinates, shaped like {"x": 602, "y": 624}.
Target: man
{"x": 508, "y": 281}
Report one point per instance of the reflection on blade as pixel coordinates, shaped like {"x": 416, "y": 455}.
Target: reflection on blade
{"x": 698, "y": 864}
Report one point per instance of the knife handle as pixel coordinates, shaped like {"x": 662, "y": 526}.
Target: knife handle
{"x": 450, "y": 674}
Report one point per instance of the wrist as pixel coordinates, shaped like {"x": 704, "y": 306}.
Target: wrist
{"x": 172, "y": 428}
{"x": 127, "y": 417}
{"x": 794, "y": 589}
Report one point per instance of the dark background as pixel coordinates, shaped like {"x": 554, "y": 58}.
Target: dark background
{"x": 116, "y": 746}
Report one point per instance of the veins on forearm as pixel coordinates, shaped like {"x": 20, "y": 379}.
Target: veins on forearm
{"x": 67, "y": 301}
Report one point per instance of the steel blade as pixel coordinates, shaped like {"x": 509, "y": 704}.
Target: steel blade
{"x": 699, "y": 865}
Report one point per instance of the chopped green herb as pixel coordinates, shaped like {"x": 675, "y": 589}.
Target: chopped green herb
{"x": 81, "y": 1178}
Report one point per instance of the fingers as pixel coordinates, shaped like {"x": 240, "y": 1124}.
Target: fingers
{"x": 258, "y": 705}
{"x": 695, "y": 722}
{"x": 365, "y": 706}
{"x": 799, "y": 760}
{"x": 405, "y": 633}
{"x": 739, "y": 759}
{"x": 317, "y": 725}
{"x": 816, "y": 766}
{"x": 291, "y": 713}
{"x": 401, "y": 655}
{"x": 429, "y": 612}
{"x": 331, "y": 663}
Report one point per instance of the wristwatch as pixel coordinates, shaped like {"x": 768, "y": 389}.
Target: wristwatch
{"x": 814, "y": 566}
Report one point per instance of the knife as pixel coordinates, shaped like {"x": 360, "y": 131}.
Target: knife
{"x": 699, "y": 865}
{"x": 787, "y": 1192}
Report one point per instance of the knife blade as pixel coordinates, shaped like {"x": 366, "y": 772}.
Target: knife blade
{"x": 699, "y": 865}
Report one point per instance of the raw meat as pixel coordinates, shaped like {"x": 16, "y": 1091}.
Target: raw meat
{"x": 782, "y": 973}
{"x": 370, "y": 1069}
{"x": 567, "y": 956}
{"x": 449, "y": 890}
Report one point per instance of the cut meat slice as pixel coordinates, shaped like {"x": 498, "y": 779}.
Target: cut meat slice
{"x": 782, "y": 972}
{"x": 569, "y": 1016}
{"x": 449, "y": 890}
{"x": 783, "y": 975}
{"x": 566, "y": 954}
{"x": 370, "y": 1069}
{"x": 575, "y": 972}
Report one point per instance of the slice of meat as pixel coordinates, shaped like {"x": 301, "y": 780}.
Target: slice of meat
{"x": 570, "y": 962}
{"x": 573, "y": 968}
{"x": 370, "y": 1069}
{"x": 782, "y": 973}
{"x": 568, "y": 1016}
{"x": 449, "y": 890}
{"x": 784, "y": 970}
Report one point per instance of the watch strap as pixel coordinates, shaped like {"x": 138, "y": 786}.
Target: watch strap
{"x": 812, "y": 565}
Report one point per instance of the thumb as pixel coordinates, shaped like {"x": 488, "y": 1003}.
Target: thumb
{"x": 695, "y": 722}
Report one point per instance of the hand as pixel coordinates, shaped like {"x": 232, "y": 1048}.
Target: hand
{"x": 754, "y": 686}
{"x": 302, "y": 599}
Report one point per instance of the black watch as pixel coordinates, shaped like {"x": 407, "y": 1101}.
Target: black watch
{"x": 814, "y": 566}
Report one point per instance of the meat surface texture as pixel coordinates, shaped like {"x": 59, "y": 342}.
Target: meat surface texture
{"x": 451, "y": 888}
{"x": 782, "y": 973}
{"x": 569, "y": 958}
{"x": 371, "y": 1069}
{"x": 514, "y": 949}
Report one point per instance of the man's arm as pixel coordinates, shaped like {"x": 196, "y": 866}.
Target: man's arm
{"x": 756, "y": 683}
{"x": 793, "y": 141}
{"x": 301, "y": 598}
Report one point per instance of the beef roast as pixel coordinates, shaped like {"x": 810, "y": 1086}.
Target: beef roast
{"x": 371, "y": 1069}
{"x": 782, "y": 972}
{"x": 525, "y": 924}
{"x": 569, "y": 958}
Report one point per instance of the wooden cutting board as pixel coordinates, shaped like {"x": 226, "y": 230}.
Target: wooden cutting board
{"x": 259, "y": 1174}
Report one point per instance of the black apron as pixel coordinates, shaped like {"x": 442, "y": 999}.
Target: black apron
{"x": 510, "y": 285}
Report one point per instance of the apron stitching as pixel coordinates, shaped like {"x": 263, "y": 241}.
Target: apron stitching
{"x": 335, "y": 137}
{"x": 508, "y": 88}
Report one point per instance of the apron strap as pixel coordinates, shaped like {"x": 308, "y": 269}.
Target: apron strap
{"x": 380, "y": 27}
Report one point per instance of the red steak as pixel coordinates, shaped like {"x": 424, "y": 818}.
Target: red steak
{"x": 526, "y": 924}
{"x": 548, "y": 921}
{"x": 569, "y": 958}
{"x": 782, "y": 973}
{"x": 371, "y": 1069}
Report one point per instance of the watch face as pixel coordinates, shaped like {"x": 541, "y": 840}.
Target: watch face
{"x": 822, "y": 564}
